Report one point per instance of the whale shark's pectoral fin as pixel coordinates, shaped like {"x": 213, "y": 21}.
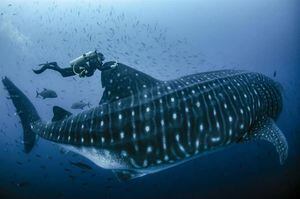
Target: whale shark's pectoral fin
{"x": 269, "y": 131}
{"x": 122, "y": 81}
{"x": 59, "y": 113}
{"x": 125, "y": 175}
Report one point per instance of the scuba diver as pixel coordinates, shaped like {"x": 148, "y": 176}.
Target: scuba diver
{"x": 83, "y": 66}
{"x": 119, "y": 80}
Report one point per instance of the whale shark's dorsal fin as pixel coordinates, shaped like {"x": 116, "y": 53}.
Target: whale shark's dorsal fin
{"x": 59, "y": 113}
{"x": 266, "y": 129}
{"x": 121, "y": 81}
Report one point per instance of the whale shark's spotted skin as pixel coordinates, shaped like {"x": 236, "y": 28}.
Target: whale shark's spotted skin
{"x": 154, "y": 124}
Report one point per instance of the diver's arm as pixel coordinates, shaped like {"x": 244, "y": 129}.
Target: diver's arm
{"x": 107, "y": 65}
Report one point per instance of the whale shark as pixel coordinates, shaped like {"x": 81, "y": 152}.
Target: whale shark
{"x": 144, "y": 125}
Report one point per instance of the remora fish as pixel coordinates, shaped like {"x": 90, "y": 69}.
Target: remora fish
{"x": 144, "y": 125}
{"x": 80, "y": 105}
{"x": 81, "y": 165}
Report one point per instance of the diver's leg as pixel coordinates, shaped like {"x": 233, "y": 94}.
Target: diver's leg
{"x": 65, "y": 72}
{"x": 52, "y": 65}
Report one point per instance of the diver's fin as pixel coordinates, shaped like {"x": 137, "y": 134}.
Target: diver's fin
{"x": 268, "y": 130}
{"x": 125, "y": 175}
{"x": 25, "y": 110}
{"x": 59, "y": 113}
{"x": 121, "y": 81}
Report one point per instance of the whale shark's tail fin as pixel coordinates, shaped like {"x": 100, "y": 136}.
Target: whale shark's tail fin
{"x": 25, "y": 110}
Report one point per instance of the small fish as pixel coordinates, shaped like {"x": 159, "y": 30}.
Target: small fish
{"x": 85, "y": 184}
{"x": 108, "y": 187}
{"x": 23, "y": 184}
{"x": 19, "y": 163}
{"x": 46, "y": 93}
{"x": 37, "y": 155}
{"x": 109, "y": 179}
{"x": 80, "y": 105}
{"x": 67, "y": 170}
{"x": 72, "y": 177}
{"x": 275, "y": 73}
{"x": 81, "y": 165}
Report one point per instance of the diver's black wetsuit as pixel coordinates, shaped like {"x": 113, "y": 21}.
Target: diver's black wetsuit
{"x": 85, "y": 67}
{"x": 65, "y": 72}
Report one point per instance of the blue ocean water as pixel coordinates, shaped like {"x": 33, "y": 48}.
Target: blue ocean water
{"x": 165, "y": 39}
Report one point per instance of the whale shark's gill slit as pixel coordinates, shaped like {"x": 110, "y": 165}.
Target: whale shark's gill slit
{"x": 251, "y": 104}
{"x": 248, "y": 98}
{"x": 230, "y": 112}
{"x": 218, "y": 116}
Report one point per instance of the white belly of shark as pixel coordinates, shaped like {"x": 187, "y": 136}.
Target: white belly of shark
{"x": 144, "y": 125}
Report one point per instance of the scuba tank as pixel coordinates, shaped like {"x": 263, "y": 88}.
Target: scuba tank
{"x": 83, "y": 59}
{"x": 83, "y": 62}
